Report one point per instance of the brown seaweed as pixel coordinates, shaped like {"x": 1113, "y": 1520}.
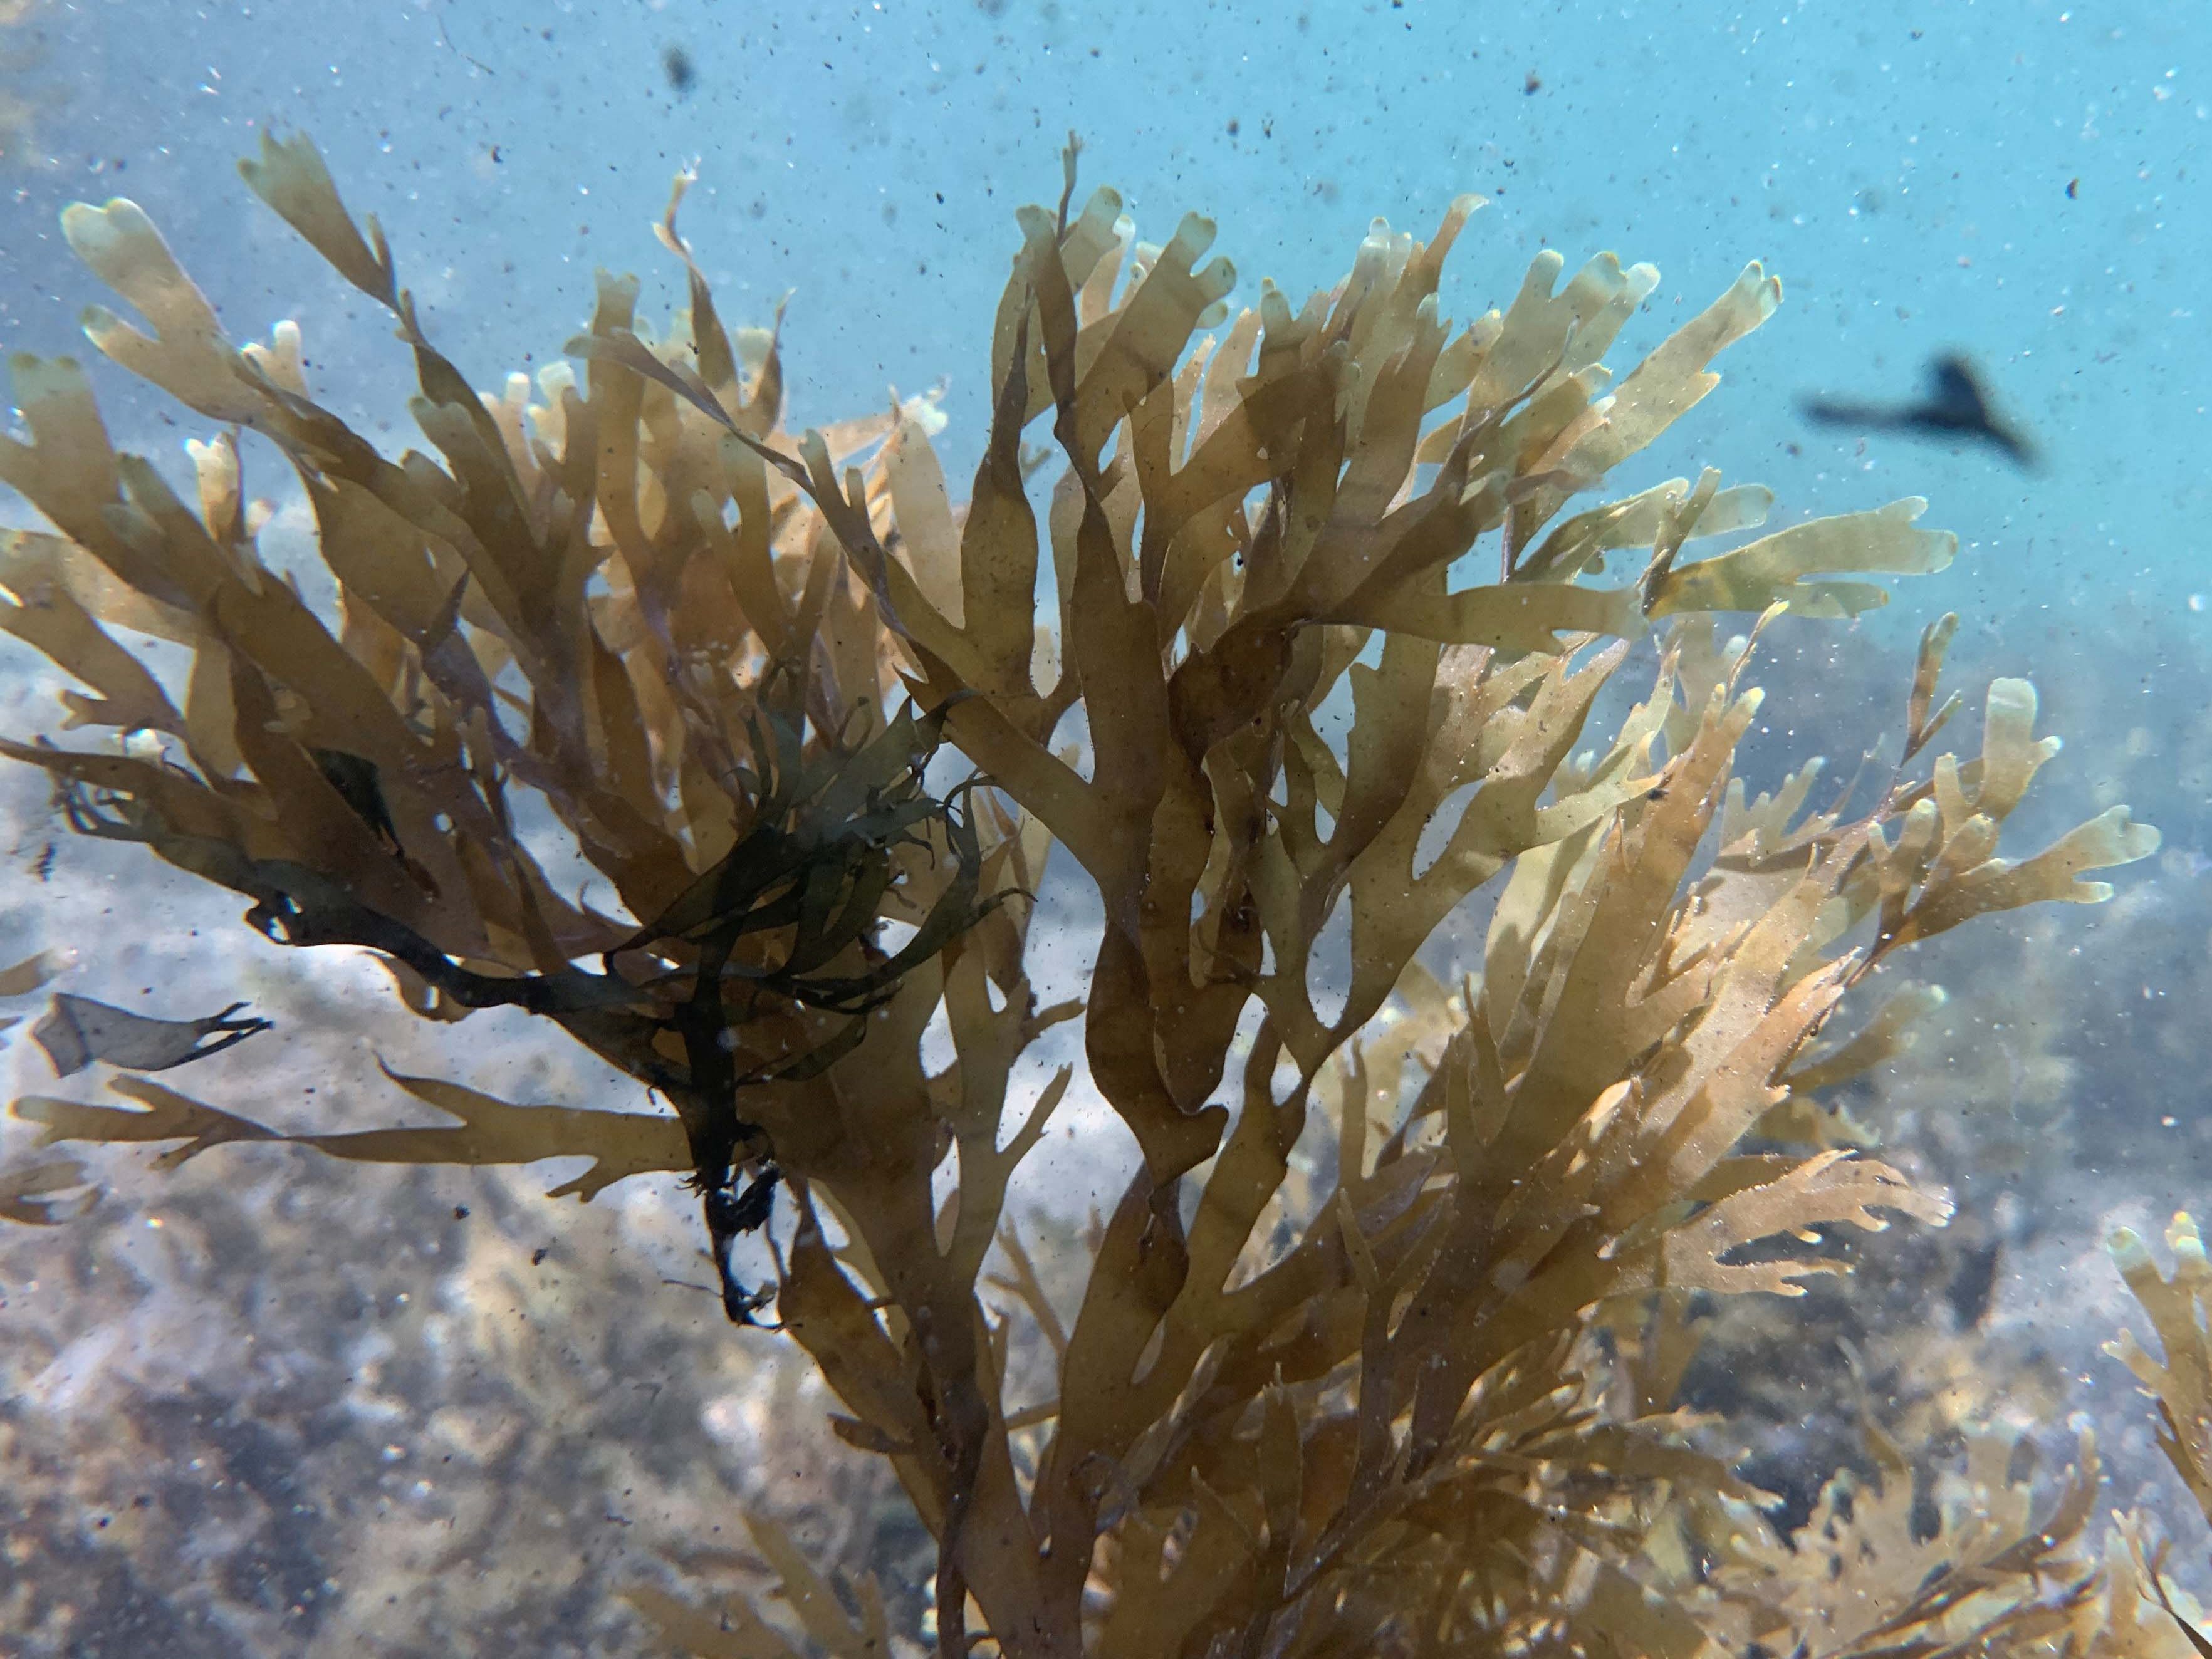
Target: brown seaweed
{"x": 1343, "y": 1370}
{"x": 78, "y": 1030}
{"x": 24, "y": 1188}
{"x": 735, "y": 776}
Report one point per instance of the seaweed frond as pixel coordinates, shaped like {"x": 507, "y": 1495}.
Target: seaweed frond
{"x": 1343, "y": 1369}
{"x": 600, "y": 605}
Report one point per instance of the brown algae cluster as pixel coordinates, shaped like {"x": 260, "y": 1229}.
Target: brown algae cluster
{"x": 1377, "y": 1352}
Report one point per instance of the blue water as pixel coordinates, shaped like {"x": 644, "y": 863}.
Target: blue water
{"x": 2012, "y": 179}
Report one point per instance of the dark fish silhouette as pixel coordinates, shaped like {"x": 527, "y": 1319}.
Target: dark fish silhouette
{"x": 683, "y": 74}
{"x": 1955, "y": 406}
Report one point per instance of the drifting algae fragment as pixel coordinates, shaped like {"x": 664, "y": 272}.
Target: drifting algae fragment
{"x": 1342, "y": 1368}
{"x": 77, "y": 1030}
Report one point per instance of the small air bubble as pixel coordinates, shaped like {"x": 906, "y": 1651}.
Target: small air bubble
{"x": 2196, "y": 601}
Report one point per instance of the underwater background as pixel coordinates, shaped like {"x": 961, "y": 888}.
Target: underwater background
{"x": 266, "y": 1403}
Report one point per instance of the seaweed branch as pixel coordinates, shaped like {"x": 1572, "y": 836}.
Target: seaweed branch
{"x": 1342, "y": 1370}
